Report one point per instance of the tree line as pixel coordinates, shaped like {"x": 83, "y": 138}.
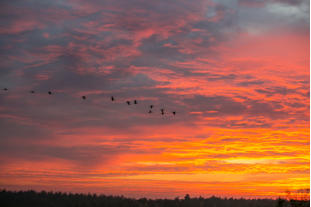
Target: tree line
{"x": 57, "y": 199}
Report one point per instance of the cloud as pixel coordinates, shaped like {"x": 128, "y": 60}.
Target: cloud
{"x": 252, "y": 82}
{"x": 278, "y": 91}
{"x": 81, "y": 155}
{"x": 221, "y": 65}
{"x": 220, "y": 104}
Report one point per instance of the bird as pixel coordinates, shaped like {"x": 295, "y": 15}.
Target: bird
{"x": 32, "y": 91}
{"x": 112, "y": 98}
{"x": 50, "y": 93}
{"x": 135, "y": 102}
{"x": 151, "y": 106}
{"x": 174, "y": 113}
{"x": 162, "y": 111}
{"x": 150, "y": 112}
{"x": 128, "y": 102}
{"x": 83, "y": 97}
{"x": 5, "y": 89}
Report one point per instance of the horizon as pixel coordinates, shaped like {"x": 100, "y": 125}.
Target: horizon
{"x": 305, "y": 195}
{"x": 78, "y": 79}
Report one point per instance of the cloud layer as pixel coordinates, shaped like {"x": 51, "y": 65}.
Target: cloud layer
{"x": 236, "y": 73}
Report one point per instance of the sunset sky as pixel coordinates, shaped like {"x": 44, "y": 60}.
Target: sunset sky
{"x": 236, "y": 72}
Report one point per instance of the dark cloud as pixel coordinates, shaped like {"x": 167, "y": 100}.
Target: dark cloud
{"x": 156, "y": 48}
{"x": 291, "y": 2}
{"x": 82, "y": 155}
{"x": 251, "y": 82}
{"x": 221, "y": 105}
{"x": 224, "y": 106}
{"x": 230, "y": 139}
{"x": 246, "y": 124}
{"x": 263, "y": 2}
{"x": 23, "y": 130}
{"x": 252, "y": 3}
{"x": 273, "y": 110}
{"x": 160, "y": 168}
{"x": 276, "y": 91}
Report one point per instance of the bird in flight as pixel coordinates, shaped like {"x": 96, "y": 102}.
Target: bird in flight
{"x": 112, "y": 99}
{"x": 162, "y": 111}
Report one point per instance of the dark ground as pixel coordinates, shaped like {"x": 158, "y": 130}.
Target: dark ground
{"x": 57, "y": 199}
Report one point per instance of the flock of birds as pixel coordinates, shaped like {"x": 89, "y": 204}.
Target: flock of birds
{"x": 113, "y": 99}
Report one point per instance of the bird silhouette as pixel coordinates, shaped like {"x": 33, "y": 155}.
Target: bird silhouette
{"x": 112, "y": 99}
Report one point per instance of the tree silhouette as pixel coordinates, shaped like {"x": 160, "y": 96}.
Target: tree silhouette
{"x": 58, "y": 199}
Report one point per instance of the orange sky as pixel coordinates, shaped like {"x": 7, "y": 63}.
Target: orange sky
{"x": 236, "y": 73}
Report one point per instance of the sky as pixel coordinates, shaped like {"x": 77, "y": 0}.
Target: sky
{"x": 236, "y": 73}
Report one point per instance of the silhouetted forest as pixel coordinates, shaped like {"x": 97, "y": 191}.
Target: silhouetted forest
{"x": 57, "y": 199}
